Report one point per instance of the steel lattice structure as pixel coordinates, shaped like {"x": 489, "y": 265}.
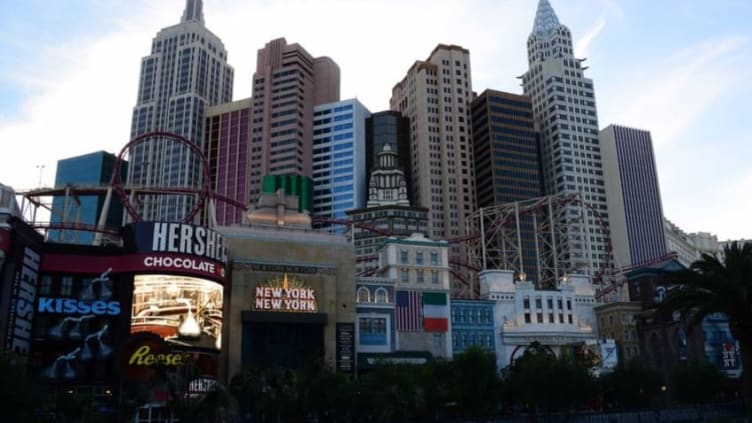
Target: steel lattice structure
{"x": 555, "y": 222}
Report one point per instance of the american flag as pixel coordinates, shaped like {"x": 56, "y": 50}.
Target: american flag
{"x": 409, "y": 311}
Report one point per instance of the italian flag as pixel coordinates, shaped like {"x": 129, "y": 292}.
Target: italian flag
{"x": 435, "y": 312}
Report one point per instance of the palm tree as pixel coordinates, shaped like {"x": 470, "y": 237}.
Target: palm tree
{"x": 715, "y": 286}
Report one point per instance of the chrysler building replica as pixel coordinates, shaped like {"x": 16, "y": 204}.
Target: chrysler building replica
{"x": 565, "y": 115}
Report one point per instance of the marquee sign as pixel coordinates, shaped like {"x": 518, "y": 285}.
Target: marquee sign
{"x": 286, "y": 295}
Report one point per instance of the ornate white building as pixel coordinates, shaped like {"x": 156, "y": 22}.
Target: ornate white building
{"x": 552, "y": 317}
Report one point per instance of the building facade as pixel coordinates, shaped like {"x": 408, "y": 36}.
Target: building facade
{"x": 185, "y": 73}
{"x": 420, "y": 268}
{"x": 374, "y": 328}
{"x": 387, "y": 213}
{"x": 339, "y": 162}
{"x": 555, "y": 318}
{"x": 507, "y": 161}
{"x": 634, "y": 198}
{"x": 287, "y": 84}
{"x": 618, "y": 321}
{"x": 292, "y": 299}
{"x": 227, "y": 151}
{"x": 566, "y": 117}
{"x": 92, "y": 170}
{"x": 435, "y": 96}
{"x": 473, "y": 326}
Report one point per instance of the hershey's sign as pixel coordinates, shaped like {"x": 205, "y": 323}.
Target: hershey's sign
{"x": 22, "y": 303}
{"x": 176, "y": 238}
{"x": 188, "y": 239}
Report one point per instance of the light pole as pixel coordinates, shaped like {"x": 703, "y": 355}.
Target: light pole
{"x": 41, "y": 170}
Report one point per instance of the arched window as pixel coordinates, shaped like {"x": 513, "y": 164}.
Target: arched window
{"x": 363, "y": 295}
{"x": 381, "y": 296}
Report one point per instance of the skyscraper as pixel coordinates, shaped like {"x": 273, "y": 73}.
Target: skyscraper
{"x": 388, "y": 212}
{"x": 566, "y": 118}
{"x": 287, "y": 84}
{"x": 634, "y": 198}
{"x": 507, "y": 162}
{"x": 92, "y": 170}
{"x": 185, "y": 73}
{"x": 227, "y": 152}
{"x": 339, "y": 161}
{"x": 435, "y": 95}
{"x": 389, "y": 127}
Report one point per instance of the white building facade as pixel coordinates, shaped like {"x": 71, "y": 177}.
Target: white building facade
{"x": 523, "y": 314}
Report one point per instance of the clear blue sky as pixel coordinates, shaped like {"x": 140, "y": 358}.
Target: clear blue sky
{"x": 679, "y": 68}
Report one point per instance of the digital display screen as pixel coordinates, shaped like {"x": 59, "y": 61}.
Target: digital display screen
{"x": 184, "y": 311}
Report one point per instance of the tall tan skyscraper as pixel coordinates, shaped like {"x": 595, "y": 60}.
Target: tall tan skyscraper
{"x": 435, "y": 95}
{"x": 287, "y": 84}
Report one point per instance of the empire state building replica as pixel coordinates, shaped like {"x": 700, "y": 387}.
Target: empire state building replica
{"x": 566, "y": 117}
{"x": 185, "y": 73}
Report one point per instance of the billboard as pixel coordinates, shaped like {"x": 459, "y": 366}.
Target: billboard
{"x": 184, "y": 311}
{"x": 80, "y": 320}
{"x": 720, "y": 347}
{"x": 598, "y": 356}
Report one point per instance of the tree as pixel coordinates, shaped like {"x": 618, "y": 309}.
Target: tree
{"x": 19, "y": 394}
{"x": 630, "y": 385}
{"x": 698, "y": 382}
{"x": 544, "y": 382}
{"x": 476, "y": 386}
{"x": 715, "y": 286}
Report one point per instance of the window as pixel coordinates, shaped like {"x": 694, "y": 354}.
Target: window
{"x": 421, "y": 278}
{"x": 434, "y": 258}
{"x": 66, "y": 286}
{"x": 526, "y": 302}
{"x": 527, "y": 317}
{"x": 404, "y": 276}
{"x": 403, "y": 257}
{"x": 434, "y": 276}
{"x": 45, "y": 287}
{"x": 381, "y": 296}
{"x": 419, "y": 257}
{"x": 372, "y": 331}
{"x": 363, "y": 295}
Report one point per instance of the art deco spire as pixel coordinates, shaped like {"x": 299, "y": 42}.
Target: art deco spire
{"x": 194, "y": 11}
{"x": 545, "y": 19}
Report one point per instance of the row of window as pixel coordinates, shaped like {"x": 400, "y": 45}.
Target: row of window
{"x": 405, "y": 257}
{"x": 379, "y": 296}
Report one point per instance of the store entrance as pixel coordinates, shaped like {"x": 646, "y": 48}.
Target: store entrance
{"x": 287, "y": 340}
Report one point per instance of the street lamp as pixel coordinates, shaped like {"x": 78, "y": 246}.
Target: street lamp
{"x": 41, "y": 170}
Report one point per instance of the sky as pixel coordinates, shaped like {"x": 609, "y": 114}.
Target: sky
{"x": 681, "y": 69}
